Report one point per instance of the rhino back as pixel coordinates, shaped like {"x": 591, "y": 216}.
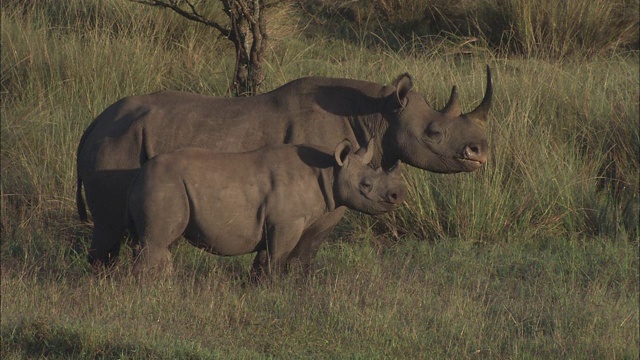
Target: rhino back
{"x": 251, "y": 179}
{"x": 308, "y": 110}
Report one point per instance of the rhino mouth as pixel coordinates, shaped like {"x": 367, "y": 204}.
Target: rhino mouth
{"x": 472, "y": 157}
{"x": 379, "y": 210}
{"x": 471, "y": 162}
{"x": 387, "y": 205}
{"x": 380, "y": 207}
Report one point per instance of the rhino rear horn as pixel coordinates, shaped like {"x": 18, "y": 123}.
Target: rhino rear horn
{"x": 452, "y": 107}
{"x": 480, "y": 113}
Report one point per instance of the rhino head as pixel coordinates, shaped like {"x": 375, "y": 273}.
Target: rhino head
{"x": 359, "y": 187}
{"x": 445, "y": 141}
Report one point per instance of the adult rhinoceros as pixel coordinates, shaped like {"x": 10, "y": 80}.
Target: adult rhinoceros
{"x": 313, "y": 110}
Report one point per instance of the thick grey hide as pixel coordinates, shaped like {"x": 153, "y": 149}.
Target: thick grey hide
{"x": 319, "y": 111}
{"x": 272, "y": 201}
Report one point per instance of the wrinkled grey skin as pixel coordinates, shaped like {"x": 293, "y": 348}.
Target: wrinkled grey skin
{"x": 263, "y": 201}
{"x": 319, "y": 111}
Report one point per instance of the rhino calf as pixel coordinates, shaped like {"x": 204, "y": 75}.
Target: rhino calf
{"x": 279, "y": 201}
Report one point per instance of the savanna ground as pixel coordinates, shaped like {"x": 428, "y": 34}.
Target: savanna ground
{"x": 533, "y": 256}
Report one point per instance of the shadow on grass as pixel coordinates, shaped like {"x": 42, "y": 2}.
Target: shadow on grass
{"x": 43, "y": 338}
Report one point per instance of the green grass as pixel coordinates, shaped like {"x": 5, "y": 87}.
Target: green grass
{"x": 533, "y": 256}
{"x": 453, "y": 299}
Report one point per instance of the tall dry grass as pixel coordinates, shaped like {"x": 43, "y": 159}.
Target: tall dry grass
{"x": 530, "y": 28}
{"x": 534, "y": 255}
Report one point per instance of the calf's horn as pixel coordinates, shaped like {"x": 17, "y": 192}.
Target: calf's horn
{"x": 367, "y": 152}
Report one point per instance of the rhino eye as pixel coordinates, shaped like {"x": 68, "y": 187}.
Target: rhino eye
{"x": 366, "y": 185}
{"x": 433, "y": 132}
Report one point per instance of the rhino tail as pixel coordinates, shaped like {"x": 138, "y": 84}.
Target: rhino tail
{"x": 81, "y": 205}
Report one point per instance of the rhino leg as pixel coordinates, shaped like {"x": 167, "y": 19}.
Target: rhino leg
{"x": 281, "y": 239}
{"x": 260, "y": 264}
{"x": 153, "y": 255}
{"x": 153, "y": 260}
{"x": 106, "y": 193}
{"x": 313, "y": 237}
{"x": 156, "y": 227}
{"x": 105, "y": 245}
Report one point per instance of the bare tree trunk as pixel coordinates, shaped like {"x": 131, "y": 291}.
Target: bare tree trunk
{"x": 247, "y": 31}
{"x": 247, "y": 21}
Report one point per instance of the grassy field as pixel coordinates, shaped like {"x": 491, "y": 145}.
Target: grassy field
{"x": 533, "y": 256}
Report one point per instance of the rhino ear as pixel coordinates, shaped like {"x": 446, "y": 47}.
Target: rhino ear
{"x": 342, "y": 151}
{"x": 403, "y": 84}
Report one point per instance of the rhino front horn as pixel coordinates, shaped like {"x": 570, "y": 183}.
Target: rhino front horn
{"x": 481, "y": 112}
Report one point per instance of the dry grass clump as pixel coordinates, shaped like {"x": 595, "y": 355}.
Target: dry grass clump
{"x": 545, "y": 29}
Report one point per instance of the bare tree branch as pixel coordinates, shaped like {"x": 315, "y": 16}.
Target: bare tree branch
{"x": 191, "y": 15}
{"x": 247, "y": 30}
